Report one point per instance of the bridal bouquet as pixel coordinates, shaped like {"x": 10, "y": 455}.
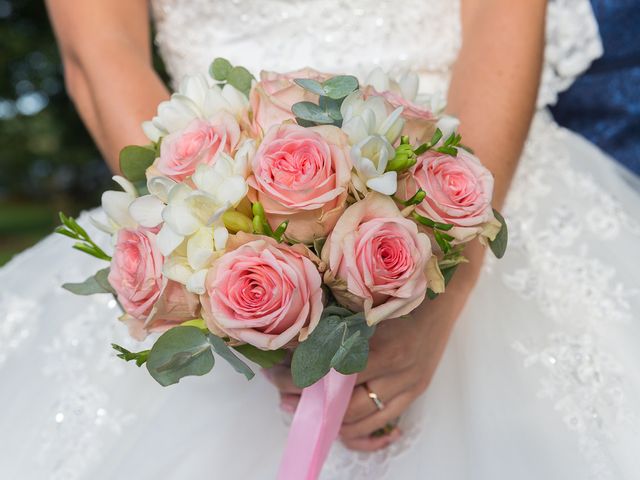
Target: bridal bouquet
{"x": 289, "y": 214}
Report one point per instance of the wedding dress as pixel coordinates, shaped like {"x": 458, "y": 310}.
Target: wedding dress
{"x": 540, "y": 379}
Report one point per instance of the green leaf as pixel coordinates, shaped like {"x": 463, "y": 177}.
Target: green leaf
{"x": 240, "y": 78}
{"x": 442, "y": 239}
{"x": 340, "y": 341}
{"x": 340, "y": 86}
{"x": 220, "y": 69}
{"x": 305, "y": 123}
{"x": 264, "y": 358}
{"x": 499, "y": 244}
{"x": 139, "y": 357}
{"x": 331, "y": 107}
{"x": 134, "y": 161}
{"x": 279, "y": 232}
{"x": 311, "y": 112}
{"x": 91, "y": 250}
{"x": 222, "y": 349}
{"x": 97, "y": 283}
{"x": 178, "y": 353}
{"x": 311, "y": 85}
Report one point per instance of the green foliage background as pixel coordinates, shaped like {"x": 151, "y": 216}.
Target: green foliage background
{"x": 48, "y": 162}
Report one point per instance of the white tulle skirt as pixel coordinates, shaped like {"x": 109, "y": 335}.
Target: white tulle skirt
{"x": 540, "y": 380}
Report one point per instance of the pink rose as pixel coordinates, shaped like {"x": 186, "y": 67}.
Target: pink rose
{"x": 263, "y": 293}
{"x": 275, "y": 93}
{"x": 459, "y": 192}
{"x": 420, "y": 122}
{"x": 151, "y": 303}
{"x": 377, "y": 260}
{"x": 200, "y": 142}
{"x": 136, "y": 271}
{"x": 301, "y": 175}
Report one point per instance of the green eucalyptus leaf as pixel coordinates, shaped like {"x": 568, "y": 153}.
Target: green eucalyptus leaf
{"x": 134, "y": 161}
{"x": 240, "y": 78}
{"x": 331, "y": 107}
{"x": 340, "y": 341}
{"x": 97, "y": 283}
{"x": 311, "y": 85}
{"x": 340, "y": 86}
{"x": 264, "y": 358}
{"x": 221, "y": 348}
{"x": 311, "y": 112}
{"x": 220, "y": 69}
{"x": 499, "y": 244}
{"x": 178, "y": 353}
{"x": 305, "y": 123}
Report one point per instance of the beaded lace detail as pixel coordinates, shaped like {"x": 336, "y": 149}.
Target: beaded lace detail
{"x": 575, "y": 290}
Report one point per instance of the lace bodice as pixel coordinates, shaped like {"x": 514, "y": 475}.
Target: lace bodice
{"x": 354, "y": 36}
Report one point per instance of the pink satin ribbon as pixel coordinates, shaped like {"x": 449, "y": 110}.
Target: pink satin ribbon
{"x": 315, "y": 426}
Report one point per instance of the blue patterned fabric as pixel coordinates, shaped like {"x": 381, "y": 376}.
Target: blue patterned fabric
{"x": 603, "y": 105}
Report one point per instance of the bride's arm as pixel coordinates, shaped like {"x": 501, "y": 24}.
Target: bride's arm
{"x": 495, "y": 81}
{"x": 493, "y": 92}
{"x": 105, "y": 48}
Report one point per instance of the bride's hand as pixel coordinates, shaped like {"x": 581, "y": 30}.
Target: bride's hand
{"x": 404, "y": 354}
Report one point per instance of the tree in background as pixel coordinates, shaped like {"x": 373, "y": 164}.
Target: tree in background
{"x": 48, "y": 161}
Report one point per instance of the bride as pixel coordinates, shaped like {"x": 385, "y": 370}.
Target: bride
{"x": 537, "y": 355}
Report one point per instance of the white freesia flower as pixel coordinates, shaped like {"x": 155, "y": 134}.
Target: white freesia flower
{"x": 370, "y": 158}
{"x": 116, "y": 206}
{"x": 406, "y": 84}
{"x": 362, "y": 118}
{"x": 193, "y": 230}
{"x": 195, "y": 98}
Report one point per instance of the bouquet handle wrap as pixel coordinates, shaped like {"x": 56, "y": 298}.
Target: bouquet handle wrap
{"x": 315, "y": 426}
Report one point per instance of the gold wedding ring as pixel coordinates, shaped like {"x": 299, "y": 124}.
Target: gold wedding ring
{"x": 374, "y": 397}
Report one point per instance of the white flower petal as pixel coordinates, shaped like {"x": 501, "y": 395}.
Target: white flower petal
{"x": 110, "y": 229}
{"x": 126, "y": 185}
{"x": 236, "y": 100}
{"x": 200, "y": 248}
{"x": 386, "y": 184}
{"x": 181, "y": 219}
{"x": 232, "y": 190}
{"x": 116, "y": 206}
{"x": 195, "y": 284}
{"x": 392, "y": 126}
{"x": 220, "y": 237}
{"x": 202, "y": 206}
{"x": 177, "y": 269}
{"x": 378, "y": 80}
{"x": 147, "y": 210}
{"x": 195, "y": 87}
{"x": 409, "y": 84}
{"x": 168, "y": 240}
{"x": 244, "y": 155}
{"x": 160, "y": 187}
{"x": 152, "y": 132}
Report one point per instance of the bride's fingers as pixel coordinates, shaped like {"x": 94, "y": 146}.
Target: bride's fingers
{"x": 289, "y": 402}
{"x": 370, "y": 424}
{"x": 280, "y": 376}
{"x": 386, "y": 388}
{"x": 371, "y": 444}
